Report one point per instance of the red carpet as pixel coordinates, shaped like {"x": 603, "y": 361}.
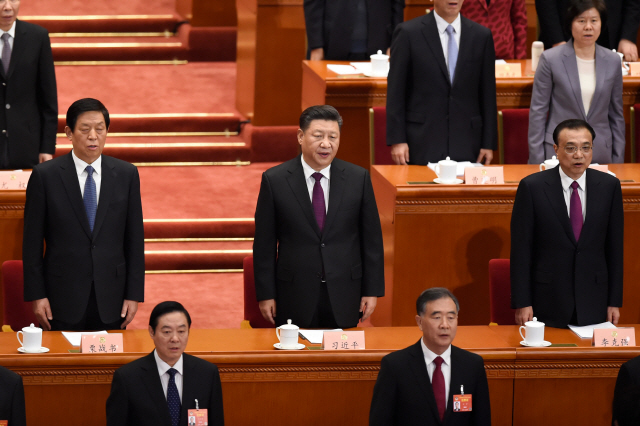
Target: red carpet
{"x": 83, "y": 7}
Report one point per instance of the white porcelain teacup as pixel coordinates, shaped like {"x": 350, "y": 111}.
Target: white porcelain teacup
{"x": 31, "y": 338}
{"x": 447, "y": 170}
{"x": 533, "y": 332}
{"x": 379, "y": 64}
{"x": 288, "y": 335}
{"x": 549, "y": 164}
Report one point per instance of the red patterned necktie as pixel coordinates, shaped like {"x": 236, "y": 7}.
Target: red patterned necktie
{"x": 437, "y": 382}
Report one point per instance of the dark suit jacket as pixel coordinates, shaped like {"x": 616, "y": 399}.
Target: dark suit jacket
{"x": 137, "y": 398}
{"x": 12, "y": 398}
{"x": 290, "y": 253}
{"x": 29, "y": 98}
{"x": 627, "y": 390}
{"x": 112, "y": 256}
{"x": 623, "y": 18}
{"x": 403, "y": 394}
{"x": 330, "y": 25}
{"x": 549, "y": 269}
{"x": 424, "y": 110}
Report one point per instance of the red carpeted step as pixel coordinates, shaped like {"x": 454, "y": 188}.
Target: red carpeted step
{"x": 220, "y": 122}
{"x": 196, "y": 228}
{"x": 155, "y": 22}
{"x": 119, "y": 48}
{"x": 194, "y": 259}
{"x": 152, "y": 244}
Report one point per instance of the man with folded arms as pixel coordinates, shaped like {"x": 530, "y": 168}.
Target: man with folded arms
{"x": 12, "y": 398}
{"x": 567, "y": 231}
{"x": 418, "y": 385}
{"x": 161, "y": 388}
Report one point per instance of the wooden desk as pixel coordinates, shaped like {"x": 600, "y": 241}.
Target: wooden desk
{"x": 353, "y": 95}
{"x": 258, "y": 381}
{"x": 11, "y": 226}
{"x": 445, "y": 235}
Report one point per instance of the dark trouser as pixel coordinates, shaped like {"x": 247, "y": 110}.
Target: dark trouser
{"x": 90, "y": 321}
{"x": 323, "y": 317}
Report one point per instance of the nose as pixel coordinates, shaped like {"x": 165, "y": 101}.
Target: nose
{"x": 174, "y": 337}
{"x": 325, "y": 143}
{"x": 92, "y": 134}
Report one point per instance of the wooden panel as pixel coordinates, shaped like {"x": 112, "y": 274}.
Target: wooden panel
{"x": 11, "y": 226}
{"x": 218, "y": 13}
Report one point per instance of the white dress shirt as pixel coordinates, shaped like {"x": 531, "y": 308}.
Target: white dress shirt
{"x": 311, "y": 181}
{"x": 163, "y": 369}
{"x": 444, "y": 37}
{"x": 82, "y": 173}
{"x": 587, "y": 76}
{"x": 445, "y": 367}
{"x": 567, "y": 191}
{"x": 12, "y": 33}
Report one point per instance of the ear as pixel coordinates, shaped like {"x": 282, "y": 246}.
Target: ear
{"x": 151, "y": 332}
{"x": 300, "y": 135}
{"x": 68, "y": 131}
{"x": 555, "y": 148}
{"x": 419, "y": 321}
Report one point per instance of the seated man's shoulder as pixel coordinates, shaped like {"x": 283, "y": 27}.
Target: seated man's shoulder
{"x": 9, "y": 376}
{"x": 349, "y": 167}
{"x": 203, "y": 366}
{"x": 32, "y": 28}
{"x": 283, "y": 167}
{"x": 120, "y": 164}
{"x": 470, "y": 358}
{"x": 402, "y": 356}
{"x": 480, "y": 29}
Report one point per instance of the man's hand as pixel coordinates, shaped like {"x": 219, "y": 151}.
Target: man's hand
{"x": 268, "y": 310}
{"x": 317, "y": 54}
{"x": 367, "y": 305}
{"x": 523, "y": 315}
{"x": 559, "y": 44}
{"x": 42, "y": 311}
{"x": 400, "y": 153}
{"x": 44, "y": 157}
{"x": 388, "y": 51}
{"x": 487, "y": 154}
{"x": 613, "y": 314}
{"x": 129, "y": 309}
{"x": 628, "y": 49}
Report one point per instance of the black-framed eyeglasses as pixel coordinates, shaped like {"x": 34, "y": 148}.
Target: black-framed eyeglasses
{"x": 572, "y": 149}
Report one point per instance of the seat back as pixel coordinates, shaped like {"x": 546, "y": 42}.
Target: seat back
{"x": 500, "y": 292}
{"x": 513, "y": 136}
{"x": 380, "y": 152}
{"x": 251, "y": 308}
{"x": 17, "y": 312}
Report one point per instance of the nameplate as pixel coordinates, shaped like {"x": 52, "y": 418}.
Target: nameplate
{"x": 614, "y": 337}
{"x": 599, "y": 167}
{"x": 109, "y": 343}
{"x": 14, "y": 180}
{"x": 508, "y": 70}
{"x": 483, "y": 175}
{"x": 342, "y": 340}
{"x": 634, "y": 69}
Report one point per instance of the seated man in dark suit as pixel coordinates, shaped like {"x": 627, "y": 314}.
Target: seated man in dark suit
{"x": 12, "y": 398}
{"x": 626, "y": 411}
{"x": 160, "y": 388}
{"x": 416, "y": 385}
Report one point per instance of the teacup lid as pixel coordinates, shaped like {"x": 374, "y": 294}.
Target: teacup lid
{"x": 553, "y": 160}
{"x": 447, "y": 162}
{"x": 31, "y": 329}
{"x": 289, "y": 326}
{"x": 534, "y": 323}
{"x": 379, "y": 56}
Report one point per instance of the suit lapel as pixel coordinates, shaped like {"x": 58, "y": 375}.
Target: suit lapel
{"x": 106, "y": 193}
{"x": 189, "y": 381}
{"x": 594, "y": 188}
{"x": 430, "y": 33}
{"x": 600, "y": 75}
{"x": 465, "y": 42}
{"x": 336, "y": 189}
{"x": 456, "y": 368}
{"x": 72, "y": 187}
{"x": 151, "y": 380}
{"x": 421, "y": 374}
{"x": 571, "y": 66}
{"x": 554, "y": 193}
{"x": 19, "y": 45}
{"x": 299, "y": 187}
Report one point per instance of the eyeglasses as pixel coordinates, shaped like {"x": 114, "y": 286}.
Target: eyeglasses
{"x": 572, "y": 149}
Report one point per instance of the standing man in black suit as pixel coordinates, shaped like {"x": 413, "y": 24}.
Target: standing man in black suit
{"x": 350, "y": 30}
{"x": 29, "y": 112}
{"x": 317, "y": 253}
{"x": 12, "y": 398}
{"x": 626, "y": 411}
{"x": 620, "y": 31}
{"x": 567, "y": 231}
{"x": 160, "y": 388}
{"x": 417, "y": 385}
{"x": 441, "y": 92}
{"x": 86, "y": 208}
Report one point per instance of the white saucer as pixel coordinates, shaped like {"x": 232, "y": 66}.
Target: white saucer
{"x": 39, "y": 351}
{"x": 455, "y": 182}
{"x": 368, "y": 74}
{"x": 543, "y": 344}
{"x": 298, "y": 347}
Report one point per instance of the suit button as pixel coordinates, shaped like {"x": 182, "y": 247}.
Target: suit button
{"x": 7, "y": 106}
{"x": 4, "y": 131}
{"x": 92, "y": 247}
{"x": 322, "y": 245}
{"x": 4, "y": 84}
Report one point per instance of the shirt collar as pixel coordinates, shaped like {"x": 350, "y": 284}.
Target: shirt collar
{"x": 442, "y": 24}
{"x": 429, "y": 356}
{"x": 12, "y": 30}
{"x": 163, "y": 367}
{"x": 81, "y": 165}
{"x": 308, "y": 171}
{"x": 567, "y": 181}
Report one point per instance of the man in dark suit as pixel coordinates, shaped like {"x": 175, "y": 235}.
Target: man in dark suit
{"x": 626, "y": 411}
{"x": 29, "y": 113}
{"x": 416, "y": 385}
{"x": 86, "y": 208}
{"x": 12, "y": 398}
{"x": 441, "y": 93}
{"x": 160, "y": 388}
{"x": 317, "y": 253}
{"x": 350, "y": 30}
{"x": 567, "y": 238}
{"x": 619, "y": 31}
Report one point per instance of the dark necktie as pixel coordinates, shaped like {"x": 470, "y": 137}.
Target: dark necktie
{"x": 575, "y": 211}
{"x": 317, "y": 202}
{"x": 173, "y": 398}
{"x": 437, "y": 382}
{"x": 90, "y": 197}
{"x": 452, "y": 52}
{"x": 6, "y": 52}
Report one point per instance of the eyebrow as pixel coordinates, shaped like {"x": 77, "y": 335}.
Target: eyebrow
{"x": 440, "y": 312}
